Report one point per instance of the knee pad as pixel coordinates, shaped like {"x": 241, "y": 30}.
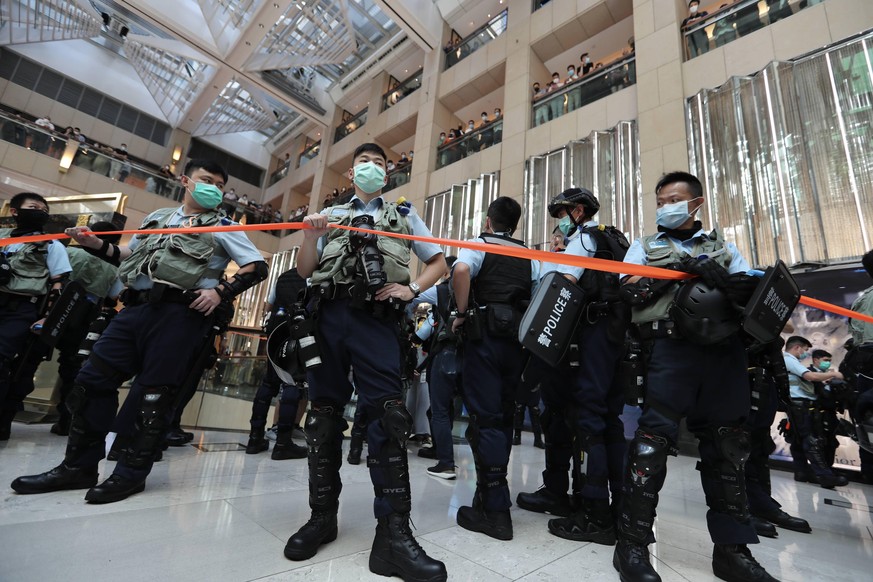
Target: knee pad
{"x": 76, "y": 399}
{"x": 648, "y": 456}
{"x": 396, "y": 421}
{"x": 733, "y": 444}
{"x": 151, "y": 424}
{"x": 324, "y": 424}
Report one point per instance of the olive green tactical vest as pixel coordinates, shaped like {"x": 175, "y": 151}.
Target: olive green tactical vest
{"x": 338, "y": 263}
{"x": 95, "y": 275}
{"x": 660, "y": 252}
{"x": 179, "y": 260}
{"x": 29, "y": 264}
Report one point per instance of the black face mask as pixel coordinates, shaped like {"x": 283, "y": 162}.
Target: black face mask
{"x": 31, "y": 219}
{"x": 682, "y": 233}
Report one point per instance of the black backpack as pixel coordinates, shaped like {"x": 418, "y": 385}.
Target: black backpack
{"x": 611, "y": 245}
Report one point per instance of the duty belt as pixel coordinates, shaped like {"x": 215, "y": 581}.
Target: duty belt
{"x": 13, "y": 300}
{"x": 662, "y": 328}
{"x": 132, "y": 297}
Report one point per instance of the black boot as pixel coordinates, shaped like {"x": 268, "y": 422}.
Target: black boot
{"x": 257, "y": 442}
{"x": 764, "y": 528}
{"x": 735, "y": 563}
{"x": 356, "y": 445}
{"x": 632, "y": 562}
{"x": 518, "y": 423}
{"x": 536, "y": 426}
{"x": 495, "y": 524}
{"x": 592, "y": 523}
{"x": 176, "y": 437}
{"x": 785, "y": 521}
{"x": 6, "y": 418}
{"x": 285, "y": 448}
{"x": 516, "y": 439}
{"x": 395, "y": 552}
{"x": 115, "y": 488}
{"x": 61, "y": 427}
{"x": 319, "y": 530}
{"x": 544, "y": 501}
{"x": 60, "y": 478}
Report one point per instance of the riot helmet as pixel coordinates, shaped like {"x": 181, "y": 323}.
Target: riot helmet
{"x": 568, "y": 199}
{"x": 703, "y": 314}
{"x": 282, "y": 353}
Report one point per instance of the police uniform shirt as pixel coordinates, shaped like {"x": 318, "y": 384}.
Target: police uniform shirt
{"x": 580, "y": 246}
{"x": 636, "y": 254}
{"x": 56, "y": 259}
{"x": 423, "y": 250}
{"x": 797, "y": 386}
{"x": 474, "y": 260}
{"x": 862, "y": 332}
{"x": 546, "y": 268}
{"x": 230, "y": 245}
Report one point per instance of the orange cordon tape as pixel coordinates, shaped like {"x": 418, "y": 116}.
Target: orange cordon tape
{"x": 522, "y": 253}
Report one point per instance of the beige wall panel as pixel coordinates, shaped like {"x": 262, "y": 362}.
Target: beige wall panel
{"x": 537, "y": 141}
{"x": 801, "y": 33}
{"x": 621, "y": 106}
{"x": 675, "y": 156}
{"x": 751, "y": 54}
{"x": 658, "y": 49}
{"x": 647, "y": 90}
{"x": 644, "y": 19}
{"x": 588, "y": 119}
{"x": 664, "y": 12}
{"x": 19, "y": 159}
{"x": 670, "y": 82}
{"x": 704, "y": 72}
{"x": 662, "y": 125}
{"x": 848, "y": 17}
{"x": 15, "y": 96}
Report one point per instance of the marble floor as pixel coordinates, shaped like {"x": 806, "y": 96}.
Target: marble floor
{"x": 211, "y": 512}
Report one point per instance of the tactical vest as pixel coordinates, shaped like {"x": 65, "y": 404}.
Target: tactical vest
{"x": 95, "y": 275}
{"x": 502, "y": 279}
{"x": 661, "y": 251}
{"x": 179, "y": 260}
{"x": 611, "y": 245}
{"x": 29, "y": 264}
{"x": 339, "y": 264}
{"x": 288, "y": 287}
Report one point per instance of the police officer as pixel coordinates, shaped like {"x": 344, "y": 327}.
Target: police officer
{"x": 282, "y": 300}
{"x": 490, "y": 291}
{"x": 594, "y": 401}
{"x": 97, "y": 277}
{"x": 173, "y": 286}
{"x": 690, "y": 376}
{"x": 824, "y": 418}
{"x": 28, "y": 271}
{"x": 808, "y": 443}
{"x": 862, "y": 336}
{"x": 361, "y": 285}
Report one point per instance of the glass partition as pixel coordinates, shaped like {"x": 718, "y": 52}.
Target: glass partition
{"x": 606, "y": 162}
{"x": 596, "y": 85}
{"x": 310, "y": 153}
{"x": 398, "y": 176}
{"x": 350, "y": 126}
{"x": 399, "y": 92}
{"x": 785, "y": 159}
{"x": 461, "y": 49}
{"x": 735, "y": 20}
{"x": 279, "y": 174}
{"x": 483, "y": 137}
{"x": 92, "y": 158}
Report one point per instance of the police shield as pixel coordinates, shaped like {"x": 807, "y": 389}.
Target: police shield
{"x": 547, "y": 326}
{"x": 771, "y": 304}
{"x": 69, "y": 306}
{"x": 282, "y": 352}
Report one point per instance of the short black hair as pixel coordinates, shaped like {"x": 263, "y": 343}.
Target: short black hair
{"x": 867, "y": 262}
{"x": 694, "y": 185}
{"x": 104, "y": 226}
{"x": 504, "y": 214}
{"x": 19, "y": 199}
{"x": 208, "y": 165}
{"x": 369, "y": 147}
{"x": 797, "y": 340}
{"x": 816, "y": 354}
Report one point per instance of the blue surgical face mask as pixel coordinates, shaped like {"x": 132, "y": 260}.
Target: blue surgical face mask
{"x": 206, "y": 195}
{"x": 566, "y": 225}
{"x": 673, "y": 215}
{"x": 824, "y": 366}
{"x": 802, "y": 355}
{"x": 369, "y": 177}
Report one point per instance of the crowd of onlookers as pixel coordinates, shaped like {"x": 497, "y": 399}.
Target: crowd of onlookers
{"x": 453, "y": 145}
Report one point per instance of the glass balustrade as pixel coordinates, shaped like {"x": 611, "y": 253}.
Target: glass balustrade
{"x": 597, "y": 84}
{"x": 398, "y": 93}
{"x": 350, "y": 126}
{"x": 485, "y": 136}
{"x": 398, "y": 176}
{"x": 97, "y": 159}
{"x": 457, "y": 52}
{"x": 310, "y": 153}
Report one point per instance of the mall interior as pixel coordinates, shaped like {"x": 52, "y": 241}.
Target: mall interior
{"x": 102, "y": 102}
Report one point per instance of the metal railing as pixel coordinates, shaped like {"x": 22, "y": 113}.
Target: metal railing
{"x": 398, "y": 93}
{"x": 470, "y": 143}
{"x": 485, "y": 34}
{"x": 309, "y": 153}
{"x": 97, "y": 159}
{"x": 592, "y": 87}
{"x": 350, "y": 126}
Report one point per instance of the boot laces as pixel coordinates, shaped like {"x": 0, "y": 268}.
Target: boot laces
{"x": 637, "y": 552}
{"x": 747, "y": 555}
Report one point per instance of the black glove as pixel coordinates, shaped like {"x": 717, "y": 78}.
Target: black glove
{"x": 712, "y": 273}
{"x": 741, "y": 287}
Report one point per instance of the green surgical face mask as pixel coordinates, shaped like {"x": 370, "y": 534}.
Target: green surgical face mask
{"x": 208, "y": 196}
{"x": 369, "y": 177}
{"x": 566, "y": 225}
{"x": 824, "y": 366}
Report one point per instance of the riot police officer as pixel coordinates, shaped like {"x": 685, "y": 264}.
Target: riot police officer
{"x": 695, "y": 371}
{"x": 490, "y": 291}
{"x": 28, "y": 272}
{"x": 360, "y": 282}
{"x": 282, "y": 300}
{"x": 862, "y": 336}
{"x": 173, "y": 286}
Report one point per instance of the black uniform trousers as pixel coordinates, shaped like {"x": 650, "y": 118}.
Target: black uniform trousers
{"x": 556, "y": 432}
{"x": 269, "y": 388}
{"x": 491, "y": 369}
{"x": 707, "y": 384}
{"x": 354, "y": 338}
{"x": 758, "y": 424}
{"x": 155, "y": 342}
{"x": 15, "y": 321}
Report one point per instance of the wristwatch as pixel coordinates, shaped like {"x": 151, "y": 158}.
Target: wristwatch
{"x": 415, "y": 288}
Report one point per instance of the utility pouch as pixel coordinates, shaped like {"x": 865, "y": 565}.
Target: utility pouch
{"x": 501, "y": 320}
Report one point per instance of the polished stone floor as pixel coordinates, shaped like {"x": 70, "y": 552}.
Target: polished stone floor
{"x": 212, "y": 513}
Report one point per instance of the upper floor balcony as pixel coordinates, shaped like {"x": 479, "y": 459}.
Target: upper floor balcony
{"x": 461, "y": 49}
{"x": 480, "y": 138}
{"x": 397, "y": 93}
{"x": 350, "y": 125}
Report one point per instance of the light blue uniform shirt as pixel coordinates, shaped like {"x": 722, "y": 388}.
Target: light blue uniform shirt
{"x": 637, "y": 255}
{"x": 580, "y": 246}
{"x": 797, "y": 386}
{"x": 474, "y": 260}
{"x": 424, "y": 251}
{"x": 231, "y": 246}
{"x": 546, "y": 268}
{"x": 56, "y": 258}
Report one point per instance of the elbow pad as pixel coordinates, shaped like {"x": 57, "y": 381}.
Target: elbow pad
{"x": 242, "y": 281}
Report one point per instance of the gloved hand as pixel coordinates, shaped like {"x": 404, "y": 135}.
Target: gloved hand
{"x": 741, "y": 287}
{"x": 712, "y": 273}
